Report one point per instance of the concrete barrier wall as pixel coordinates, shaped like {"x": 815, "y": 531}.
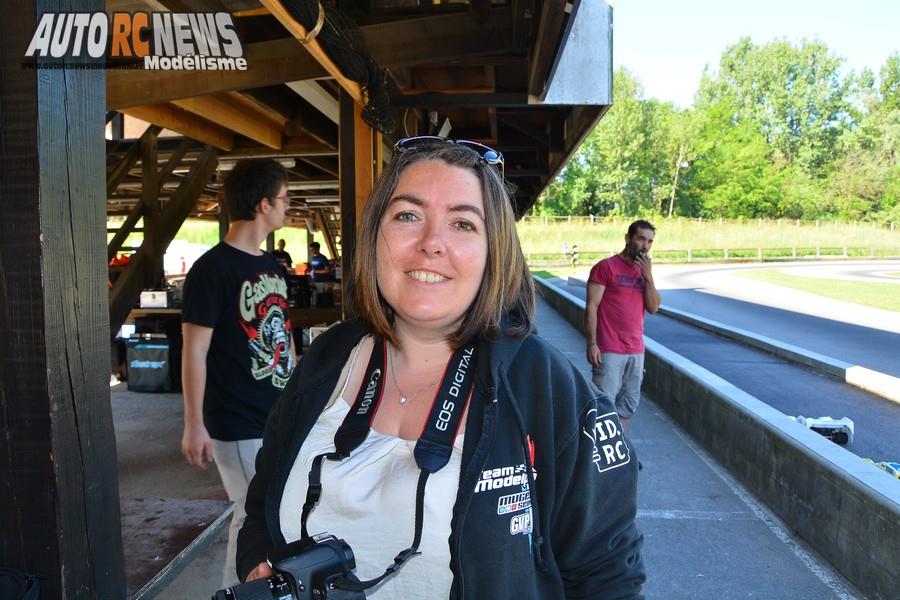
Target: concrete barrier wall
{"x": 845, "y": 508}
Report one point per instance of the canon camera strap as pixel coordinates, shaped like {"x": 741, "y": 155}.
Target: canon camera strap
{"x": 433, "y": 448}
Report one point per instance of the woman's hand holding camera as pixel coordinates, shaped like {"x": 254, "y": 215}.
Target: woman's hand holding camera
{"x": 262, "y": 570}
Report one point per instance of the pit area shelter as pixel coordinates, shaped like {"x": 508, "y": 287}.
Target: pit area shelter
{"x": 327, "y": 90}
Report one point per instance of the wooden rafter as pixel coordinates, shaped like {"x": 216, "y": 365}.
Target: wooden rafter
{"x": 126, "y": 229}
{"x": 523, "y": 126}
{"x": 173, "y": 161}
{"x": 120, "y": 171}
{"x": 523, "y": 22}
{"x": 313, "y": 47}
{"x": 185, "y": 123}
{"x": 553, "y": 15}
{"x": 404, "y": 43}
{"x": 229, "y": 115}
{"x": 268, "y": 63}
{"x": 465, "y": 100}
{"x": 439, "y": 39}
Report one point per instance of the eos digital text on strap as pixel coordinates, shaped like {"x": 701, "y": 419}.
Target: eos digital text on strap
{"x": 432, "y": 451}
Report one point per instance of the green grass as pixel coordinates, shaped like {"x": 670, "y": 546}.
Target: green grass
{"x": 542, "y": 241}
{"x": 561, "y": 273}
{"x": 706, "y": 239}
{"x": 878, "y": 295}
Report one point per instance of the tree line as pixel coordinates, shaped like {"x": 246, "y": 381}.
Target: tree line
{"x": 777, "y": 131}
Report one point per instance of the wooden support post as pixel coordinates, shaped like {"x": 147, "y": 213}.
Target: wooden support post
{"x": 326, "y": 233}
{"x": 174, "y": 160}
{"x": 59, "y": 497}
{"x": 124, "y": 231}
{"x": 365, "y": 141}
{"x": 118, "y": 173}
{"x": 128, "y": 286}
{"x": 347, "y": 170}
{"x": 153, "y": 259}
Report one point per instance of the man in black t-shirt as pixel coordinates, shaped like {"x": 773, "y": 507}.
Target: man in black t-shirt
{"x": 283, "y": 256}
{"x": 238, "y": 349}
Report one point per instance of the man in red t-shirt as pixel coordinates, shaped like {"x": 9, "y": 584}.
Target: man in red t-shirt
{"x": 619, "y": 290}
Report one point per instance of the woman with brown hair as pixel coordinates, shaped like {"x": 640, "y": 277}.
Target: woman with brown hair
{"x": 437, "y": 416}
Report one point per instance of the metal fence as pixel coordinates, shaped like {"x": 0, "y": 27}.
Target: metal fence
{"x": 596, "y": 219}
{"x": 723, "y": 255}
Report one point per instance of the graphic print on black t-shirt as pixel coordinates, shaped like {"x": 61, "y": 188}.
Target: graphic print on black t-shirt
{"x": 264, "y": 319}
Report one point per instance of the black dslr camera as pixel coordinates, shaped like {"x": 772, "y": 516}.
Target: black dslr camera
{"x": 304, "y": 570}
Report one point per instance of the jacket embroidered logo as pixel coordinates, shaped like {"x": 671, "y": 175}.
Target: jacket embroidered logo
{"x": 513, "y": 503}
{"x": 520, "y": 524}
{"x": 609, "y": 448}
{"x": 503, "y": 477}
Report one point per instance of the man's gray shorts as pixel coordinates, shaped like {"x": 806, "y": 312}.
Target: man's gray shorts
{"x": 619, "y": 376}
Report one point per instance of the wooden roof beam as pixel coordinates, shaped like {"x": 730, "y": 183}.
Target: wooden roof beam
{"x": 236, "y": 118}
{"x": 553, "y": 16}
{"x": 292, "y": 147}
{"x": 268, "y": 63}
{"x": 312, "y": 46}
{"x": 410, "y": 42}
{"x": 439, "y": 39}
{"x": 185, "y": 123}
{"x": 434, "y": 100}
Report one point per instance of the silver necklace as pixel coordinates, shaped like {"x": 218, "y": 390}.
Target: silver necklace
{"x": 403, "y": 397}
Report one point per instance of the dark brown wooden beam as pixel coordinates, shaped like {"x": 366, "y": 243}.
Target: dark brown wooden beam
{"x": 525, "y": 127}
{"x": 439, "y": 39}
{"x": 523, "y": 15}
{"x": 437, "y": 100}
{"x": 298, "y": 146}
{"x": 120, "y": 171}
{"x": 153, "y": 265}
{"x": 553, "y": 16}
{"x": 115, "y": 244}
{"x": 325, "y": 163}
{"x": 174, "y": 160}
{"x": 410, "y": 42}
{"x": 59, "y": 497}
{"x": 268, "y": 63}
{"x": 348, "y": 195}
{"x": 306, "y": 119}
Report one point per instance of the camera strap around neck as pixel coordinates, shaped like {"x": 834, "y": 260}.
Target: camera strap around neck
{"x": 433, "y": 448}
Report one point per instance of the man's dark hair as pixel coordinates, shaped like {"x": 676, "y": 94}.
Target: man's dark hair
{"x": 640, "y": 224}
{"x": 315, "y": 245}
{"x": 251, "y": 180}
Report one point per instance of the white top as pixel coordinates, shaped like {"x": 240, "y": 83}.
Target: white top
{"x": 368, "y": 500}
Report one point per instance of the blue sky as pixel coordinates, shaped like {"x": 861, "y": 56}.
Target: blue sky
{"x": 666, "y": 43}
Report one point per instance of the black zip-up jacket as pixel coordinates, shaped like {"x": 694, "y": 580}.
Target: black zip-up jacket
{"x": 533, "y": 424}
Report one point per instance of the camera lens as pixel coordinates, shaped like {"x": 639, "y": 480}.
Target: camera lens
{"x": 348, "y": 555}
{"x": 272, "y": 588}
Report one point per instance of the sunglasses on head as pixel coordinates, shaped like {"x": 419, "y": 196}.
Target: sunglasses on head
{"x": 487, "y": 154}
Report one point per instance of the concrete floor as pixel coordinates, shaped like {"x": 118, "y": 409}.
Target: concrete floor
{"x": 148, "y": 438}
{"x": 705, "y": 536}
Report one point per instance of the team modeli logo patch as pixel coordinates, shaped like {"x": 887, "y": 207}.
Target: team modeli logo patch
{"x": 609, "y": 447}
{"x": 163, "y": 41}
{"x": 502, "y": 477}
